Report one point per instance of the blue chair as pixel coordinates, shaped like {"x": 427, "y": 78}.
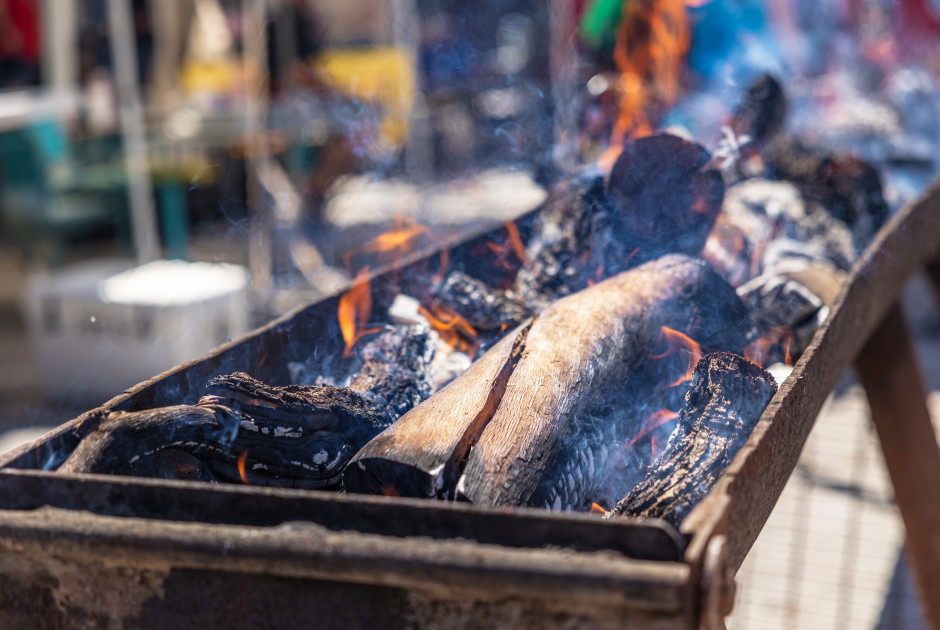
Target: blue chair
{"x": 50, "y": 196}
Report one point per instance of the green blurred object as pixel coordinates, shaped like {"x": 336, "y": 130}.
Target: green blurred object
{"x": 598, "y": 28}
{"x": 50, "y": 196}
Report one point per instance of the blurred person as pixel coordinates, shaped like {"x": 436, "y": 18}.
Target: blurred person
{"x": 19, "y": 43}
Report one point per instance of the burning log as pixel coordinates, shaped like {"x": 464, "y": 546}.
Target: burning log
{"x": 244, "y": 430}
{"x": 847, "y": 187}
{"x": 727, "y": 398}
{"x": 496, "y": 432}
{"x": 662, "y": 196}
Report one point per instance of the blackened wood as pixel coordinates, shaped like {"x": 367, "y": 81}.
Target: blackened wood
{"x": 395, "y": 371}
{"x": 762, "y": 110}
{"x": 727, "y": 397}
{"x": 662, "y": 196}
{"x": 484, "y": 308}
{"x": 293, "y": 436}
{"x": 668, "y": 194}
{"x": 847, "y": 187}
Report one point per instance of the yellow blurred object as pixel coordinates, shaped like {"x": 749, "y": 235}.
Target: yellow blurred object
{"x": 217, "y": 76}
{"x": 383, "y": 76}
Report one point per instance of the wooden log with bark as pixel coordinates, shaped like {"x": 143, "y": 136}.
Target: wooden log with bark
{"x": 493, "y": 434}
{"x": 727, "y": 397}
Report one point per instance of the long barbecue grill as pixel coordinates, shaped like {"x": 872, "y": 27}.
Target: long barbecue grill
{"x": 86, "y": 550}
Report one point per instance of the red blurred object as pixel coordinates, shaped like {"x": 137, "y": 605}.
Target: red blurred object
{"x": 918, "y": 28}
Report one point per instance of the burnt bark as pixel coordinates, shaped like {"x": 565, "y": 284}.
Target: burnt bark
{"x": 661, "y": 197}
{"x": 296, "y": 436}
{"x": 727, "y": 397}
{"x": 515, "y": 406}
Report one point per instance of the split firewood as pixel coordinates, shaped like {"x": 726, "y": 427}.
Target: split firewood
{"x": 493, "y": 434}
{"x": 244, "y": 430}
{"x": 727, "y": 397}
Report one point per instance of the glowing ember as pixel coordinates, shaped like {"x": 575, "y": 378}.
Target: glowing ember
{"x": 596, "y": 508}
{"x": 355, "y": 306}
{"x": 454, "y": 330}
{"x": 676, "y": 341}
{"x": 653, "y": 422}
{"x": 241, "y": 466}
{"x": 651, "y": 40}
{"x": 636, "y": 250}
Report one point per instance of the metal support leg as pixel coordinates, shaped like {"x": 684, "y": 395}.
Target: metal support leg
{"x": 888, "y": 370}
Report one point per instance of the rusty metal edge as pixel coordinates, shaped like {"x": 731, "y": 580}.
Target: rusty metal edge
{"x": 163, "y": 500}
{"x": 305, "y": 550}
{"x": 747, "y": 492}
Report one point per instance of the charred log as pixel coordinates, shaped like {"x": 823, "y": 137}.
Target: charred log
{"x": 847, "y": 187}
{"x": 761, "y": 113}
{"x": 727, "y": 398}
{"x": 668, "y": 195}
{"x": 295, "y": 436}
{"x": 661, "y": 197}
{"x": 517, "y": 403}
{"x": 395, "y": 372}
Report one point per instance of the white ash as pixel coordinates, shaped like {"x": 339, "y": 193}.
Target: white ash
{"x": 448, "y": 364}
{"x": 405, "y": 311}
{"x": 780, "y": 371}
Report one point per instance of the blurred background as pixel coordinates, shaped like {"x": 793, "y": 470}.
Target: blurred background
{"x": 174, "y": 173}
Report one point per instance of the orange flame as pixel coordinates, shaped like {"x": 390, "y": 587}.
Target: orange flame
{"x": 759, "y": 351}
{"x": 241, "y": 466}
{"x": 454, "y": 330}
{"x": 397, "y": 241}
{"x": 355, "y": 306}
{"x": 652, "y": 38}
{"x": 442, "y": 267}
{"x": 676, "y": 341}
{"x": 654, "y": 421}
{"x": 513, "y": 244}
{"x": 515, "y": 240}
{"x": 655, "y": 448}
{"x": 597, "y": 508}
